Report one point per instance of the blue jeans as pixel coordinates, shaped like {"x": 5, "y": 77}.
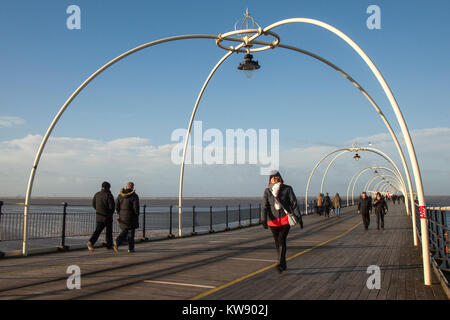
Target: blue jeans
{"x": 337, "y": 211}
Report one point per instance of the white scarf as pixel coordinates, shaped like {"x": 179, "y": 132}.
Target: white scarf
{"x": 275, "y": 189}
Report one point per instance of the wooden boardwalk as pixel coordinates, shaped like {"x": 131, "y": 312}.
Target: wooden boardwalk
{"x": 328, "y": 259}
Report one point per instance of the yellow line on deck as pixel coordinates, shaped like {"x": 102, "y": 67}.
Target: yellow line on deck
{"x": 247, "y": 276}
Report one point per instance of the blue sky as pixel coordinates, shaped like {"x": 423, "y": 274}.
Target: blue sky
{"x": 151, "y": 93}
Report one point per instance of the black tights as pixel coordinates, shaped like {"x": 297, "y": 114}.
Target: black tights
{"x": 280, "y": 235}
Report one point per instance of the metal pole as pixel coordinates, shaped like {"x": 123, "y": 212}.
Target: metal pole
{"x": 144, "y": 238}
{"x": 2, "y": 254}
{"x": 63, "y": 246}
{"x": 193, "y": 221}
{"x": 239, "y": 215}
{"x": 171, "y": 235}
{"x": 210, "y": 220}
{"x": 250, "y": 213}
{"x": 180, "y": 192}
{"x": 226, "y": 218}
{"x": 259, "y": 220}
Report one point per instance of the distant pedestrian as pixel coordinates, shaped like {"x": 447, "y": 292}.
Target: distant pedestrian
{"x": 127, "y": 205}
{"x": 337, "y": 205}
{"x": 365, "y": 209}
{"x": 380, "y": 208}
{"x": 279, "y": 201}
{"x": 320, "y": 203}
{"x": 327, "y": 205}
{"x": 103, "y": 203}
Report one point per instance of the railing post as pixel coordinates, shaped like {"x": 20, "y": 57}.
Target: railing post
{"x": 63, "y": 246}
{"x": 226, "y": 218}
{"x": 443, "y": 239}
{"x": 210, "y": 220}
{"x": 193, "y": 221}
{"x": 1, "y": 205}
{"x": 144, "y": 238}
{"x": 250, "y": 212}
{"x": 239, "y": 215}
{"x": 259, "y": 213}
{"x": 171, "y": 235}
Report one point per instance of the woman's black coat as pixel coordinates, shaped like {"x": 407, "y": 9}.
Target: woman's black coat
{"x": 127, "y": 205}
{"x": 287, "y": 198}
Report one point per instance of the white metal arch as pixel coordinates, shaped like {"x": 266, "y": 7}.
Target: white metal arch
{"x": 403, "y": 126}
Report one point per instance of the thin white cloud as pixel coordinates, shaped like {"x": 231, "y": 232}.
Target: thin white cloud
{"x": 76, "y": 166}
{"x": 8, "y": 121}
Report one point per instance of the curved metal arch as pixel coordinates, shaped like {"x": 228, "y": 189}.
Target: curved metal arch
{"x": 312, "y": 173}
{"x": 362, "y": 171}
{"x": 69, "y": 101}
{"x": 359, "y": 87}
{"x": 379, "y": 152}
{"x": 401, "y": 121}
{"x": 377, "y": 109}
{"x": 368, "y": 184}
{"x": 335, "y": 158}
{"x": 328, "y": 167}
{"x": 354, "y": 184}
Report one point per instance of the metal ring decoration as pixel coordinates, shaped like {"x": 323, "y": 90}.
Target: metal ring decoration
{"x": 246, "y": 40}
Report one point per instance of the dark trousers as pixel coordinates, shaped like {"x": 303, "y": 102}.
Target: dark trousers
{"x": 280, "y": 236}
{"x": 126, "y": 234}
{"x": 366, "y": 219}
{"x": 327, "y": 211}
{"x": 98, "y": 230}
{"x": 380, "y": 216}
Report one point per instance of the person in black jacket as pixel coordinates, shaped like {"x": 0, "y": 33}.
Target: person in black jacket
{"x": 127, "y": 206}
{"x": 327, "y": 205}
{"x": 279, "y": 200}
{"x": 103, "y": 203}
{"x": 365, "y": 209}
{"x": 381, "y": 209}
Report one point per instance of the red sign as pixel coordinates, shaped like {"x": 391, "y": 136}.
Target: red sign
{"x": 423, "y": 213}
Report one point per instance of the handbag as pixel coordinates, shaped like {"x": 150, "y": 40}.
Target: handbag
{"x": 293, "y": 219}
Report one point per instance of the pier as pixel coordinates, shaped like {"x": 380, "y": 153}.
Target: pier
{"x": 328, "y": 259}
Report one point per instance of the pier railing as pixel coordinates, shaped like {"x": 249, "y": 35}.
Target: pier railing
{"x": 65, "y": 223}
{"x": 438, "y": 230}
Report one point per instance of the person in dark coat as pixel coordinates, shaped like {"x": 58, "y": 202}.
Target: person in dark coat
{"x": 380, "y": 208}
{"x": 103, "y": 203}
{"x": 279, "y": 201}
{"x": 327, "y": 205}
{"x": 127, "y": 206}
{"x": 365, "y": 209}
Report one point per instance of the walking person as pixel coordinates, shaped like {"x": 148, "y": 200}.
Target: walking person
{"x": 320, "y": 203}
{"x": 327, "y": 205}
{"x": 365, "y": 209}
{"x": 103, "y": 203}
{"x": 337, "y": 205}
{"x": 127, "y": 205}
{"x": 279, "y": 201}
{"x": 380, "y": 208}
